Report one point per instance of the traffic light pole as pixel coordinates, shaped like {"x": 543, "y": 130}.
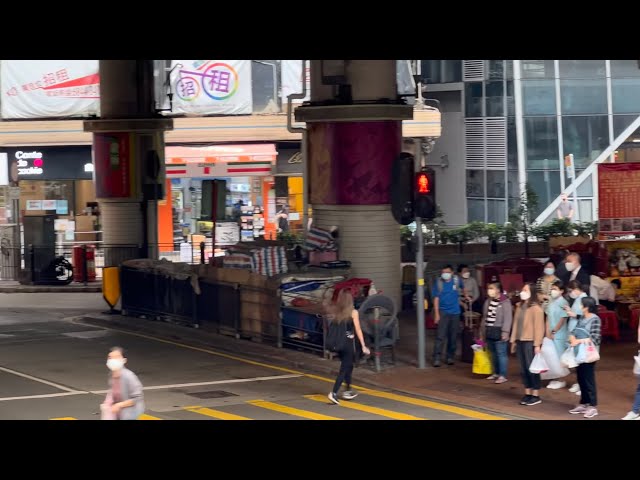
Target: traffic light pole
{"x": 422, "y": 354}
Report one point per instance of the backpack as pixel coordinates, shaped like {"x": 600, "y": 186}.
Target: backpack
{"x": 337, "y": 336}
{"x": 456, "y": 284}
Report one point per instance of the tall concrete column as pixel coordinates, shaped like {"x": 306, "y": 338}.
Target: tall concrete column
{"x": 128, "y": 155}
{"x": 354, "y": 134}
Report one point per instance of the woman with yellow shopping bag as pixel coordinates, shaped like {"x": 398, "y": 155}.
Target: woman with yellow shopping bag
{"x": 495, "y": 329}
{"x": 526, "y": 340}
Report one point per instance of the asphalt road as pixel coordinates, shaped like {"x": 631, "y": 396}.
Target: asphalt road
{"x": 52, "y": 368}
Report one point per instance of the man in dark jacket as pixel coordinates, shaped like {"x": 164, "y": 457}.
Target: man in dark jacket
{"x": 575, "y": 271}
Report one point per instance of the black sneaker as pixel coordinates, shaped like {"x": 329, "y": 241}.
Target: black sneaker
{"x": 450, "y": 361}
{"x": 533, "y": 401}
{"x": 525, "y": 399}
{"x": 436, "y": 363}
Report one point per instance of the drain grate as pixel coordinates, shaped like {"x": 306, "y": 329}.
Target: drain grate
{"x": 212, "y": 394}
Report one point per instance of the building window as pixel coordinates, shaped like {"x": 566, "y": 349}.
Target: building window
{"x": 537, "y": 69}
{"x": 475, "y": 183}
{"x": 513, "y": 184}
{"x": 496, "y": 211}
{"x": 451, "y": 71}
{"x": 496, "y": 70}
{"x": 621, "y": 122}
{"x": 546, "y": 184}
{"x": 475, "y": 210}
{"x": 511, "y": 105}
{"x": 496, "y": 184}
{"x": 539, "y": 97}
{"x": 541, "y": 140}
{"x": 581, "y": 97}
{"x": 495, "y": 99}
{"x": 512, "y": 144}
{"x": 473, "y": 99}
{"x": 585, "y": 138}
{"x": 624, "y": 68}
{"x": 582, "y": 68}
{"x": 626, "y": 95}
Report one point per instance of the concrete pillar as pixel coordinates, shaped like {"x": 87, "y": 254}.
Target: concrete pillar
{"x": 128, "y": 155}
{"x": 354, "y": 133}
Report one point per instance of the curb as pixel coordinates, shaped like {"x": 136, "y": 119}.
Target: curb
{"x": 51, "y": 289}
{"x": 168, "y": 331}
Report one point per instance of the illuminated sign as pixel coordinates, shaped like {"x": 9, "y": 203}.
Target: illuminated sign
{"x": 423, "y": 184}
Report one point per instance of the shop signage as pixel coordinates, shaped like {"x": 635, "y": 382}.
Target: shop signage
{"x": 49, "y": 88}
{"x": 212, "y": 87}
{"x": 619, "y": 198}
{"x": 29, "y": 163}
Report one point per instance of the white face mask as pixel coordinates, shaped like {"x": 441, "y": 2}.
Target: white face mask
{"x": 115, "y": 364}
{"x": 555, "y": 293}
{"x": 549, "y": 271}
{"x": 574, "y": 295}
{"x": 446, "y": 276}
{"x": 491, "y": 293}
{"x": 525, "y": 295}
{"x": 570, "y": 266}
{"x": 466, "y": 275}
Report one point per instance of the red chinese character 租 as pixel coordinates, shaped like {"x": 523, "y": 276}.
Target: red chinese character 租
{"x": 49, "y": 79}
{"x": 62, "y": 75}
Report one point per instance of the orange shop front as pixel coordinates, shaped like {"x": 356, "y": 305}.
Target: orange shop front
{"x": 219, "y": 195}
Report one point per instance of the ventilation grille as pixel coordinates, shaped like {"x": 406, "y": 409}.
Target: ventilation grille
{"x": 486, "y": 143}
{"x": 473, "y": 70}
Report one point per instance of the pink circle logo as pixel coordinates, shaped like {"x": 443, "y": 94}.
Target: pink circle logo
{"x": 37, "y": 162}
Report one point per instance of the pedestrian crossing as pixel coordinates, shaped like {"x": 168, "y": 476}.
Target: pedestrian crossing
{"x": 371, "y": 404}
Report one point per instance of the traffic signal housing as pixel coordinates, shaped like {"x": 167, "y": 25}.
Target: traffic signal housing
{"x": 402, "y": 173}
{"x": 424, "y": 202}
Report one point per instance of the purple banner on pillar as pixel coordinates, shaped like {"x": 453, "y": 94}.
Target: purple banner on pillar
{"x": 350, "y": 162}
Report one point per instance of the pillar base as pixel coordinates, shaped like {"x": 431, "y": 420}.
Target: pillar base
{"x": 122, "y": 231}
{"x": 370, "y": 239}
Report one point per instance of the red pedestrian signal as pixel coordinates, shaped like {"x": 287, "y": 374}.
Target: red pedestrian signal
{"x": 423, "y": 183}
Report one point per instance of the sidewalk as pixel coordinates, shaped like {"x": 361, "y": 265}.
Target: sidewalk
{"x": 455, "y": 384}
{"x": 10, "y": 286}
{"x": 615, "y": 380}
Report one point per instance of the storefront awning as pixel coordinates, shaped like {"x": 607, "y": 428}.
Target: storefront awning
{"x": 221, "y": 154}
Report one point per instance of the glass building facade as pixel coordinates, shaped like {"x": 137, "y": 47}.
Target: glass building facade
{"x": 574, "y": 107}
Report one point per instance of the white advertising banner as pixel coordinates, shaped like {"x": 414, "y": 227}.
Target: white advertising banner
{"x": 49, "y": 88}
{"x": 211, "y": 87}
{"x": 292, "y": 79}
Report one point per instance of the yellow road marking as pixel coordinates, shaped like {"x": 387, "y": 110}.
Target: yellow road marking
{"x": 64, "y": 418}
{"x": 291, "y": 411}
{"x": 368, "y": 391}
{"x": 433, "y": 405}
{"x": 366, "y": 408}
{"x": 144, "y": 416}
{"x": 209, "y": 412}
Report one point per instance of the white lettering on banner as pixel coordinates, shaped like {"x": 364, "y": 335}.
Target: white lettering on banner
{"x": 30, "y": 171}
{"x": 49, "y": 88}
{"x": 210, "y": 87}
{"x": 23, "y": 165}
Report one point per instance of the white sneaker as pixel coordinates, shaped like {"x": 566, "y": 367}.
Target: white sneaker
{"x": 556, "y": 385}
{"x": 631, "y": 416}
{"x": 575, "y": 388}
{"x": 578, "y": 393}
{"x": 333, "y": 398}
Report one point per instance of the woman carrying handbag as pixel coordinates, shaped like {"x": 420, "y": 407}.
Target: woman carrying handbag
{"x": 495, "y": 329}
{"x": 587, "y": 335}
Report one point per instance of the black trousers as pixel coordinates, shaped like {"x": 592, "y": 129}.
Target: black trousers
{"x": 525, "y": 351}
{"x": 587, "y": 382}
{"x": 347, "y": 362}
{"x": 610, "y": 305}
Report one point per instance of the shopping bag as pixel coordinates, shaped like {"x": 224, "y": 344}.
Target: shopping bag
{"x": 106, "y": 413}
{"x": 591, "y": 353}
{"x": 568, "y": 358}
{"x": 636, "y": 364}
{"x": 538, "y": 365}
{"x": 482, "y": 362}
{"x": 550, "y": 355}
{"x": 581, "y": 353}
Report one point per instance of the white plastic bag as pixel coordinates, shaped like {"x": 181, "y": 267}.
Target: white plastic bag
{"x": 538, "y": 365}
{"x": 550, "y": 355}
{"x": 106, "y": 413}
{"x": 568, "y": 358}
{"x": 636, "y": 364}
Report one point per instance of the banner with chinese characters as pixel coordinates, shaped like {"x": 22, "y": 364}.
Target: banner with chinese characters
{"x": 292, "y": 79}
{"x": 619, "y": 198}
{"x": 211, "y": 87}
{"x": 49, "y": 88}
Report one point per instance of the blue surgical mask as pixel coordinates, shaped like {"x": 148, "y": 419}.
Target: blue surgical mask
{"x": 549, "y": 271}
{"x": 446, "y": 276}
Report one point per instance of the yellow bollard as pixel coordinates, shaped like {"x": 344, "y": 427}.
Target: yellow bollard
{"x": 111, "y": 286}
